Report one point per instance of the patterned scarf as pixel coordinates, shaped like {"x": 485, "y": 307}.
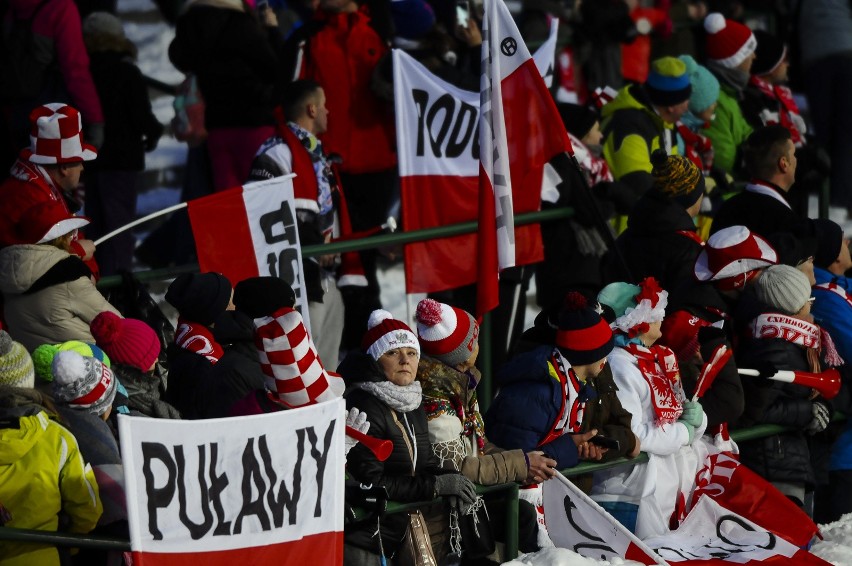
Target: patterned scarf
{"x": 402, "y": 398}
{"x": 448, "y": 391}
{"x": 325, "y": 176}
{"x": 800, "y": 332}
{"x": 198, "y": 339}
{"x": 788, "y": 108}
{"x": 658, "y": 366}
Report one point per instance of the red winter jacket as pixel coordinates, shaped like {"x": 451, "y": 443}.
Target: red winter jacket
{"x": 57, "y": 27}
{"x": 341, "y": 52}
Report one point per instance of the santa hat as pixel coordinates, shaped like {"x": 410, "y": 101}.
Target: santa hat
{"x": 732, "y": 257}
{"x": 385, "y": 333}
{"x": 583, "y": 337}
{"x": 82, "y": 383}
{"x": 635, "y": 306}
{"x": 47, "y": 221}
{"x": 56, "y": 136}
{"x": 126, "y": 340}
{"x": 295, "y": 376}
{"x": 729, "y": 43}
{"x": 446, "y": 333}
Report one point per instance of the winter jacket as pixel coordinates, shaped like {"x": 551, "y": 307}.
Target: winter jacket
{"x": 43, "y": 473}
{"x": 341, "y": 52}
{"x": 782, "y": 457}
{"x": 660, "y": 241}
{"x": 632, "y": 131}
{"x": 728, "y": 130}
{"x": 130, "y": 125}
{"x": 832, "y": 312}
{"x": 145, "y": 392}
{"x": 775, "y": 216}
{"x": 188, "y": 374}
{"x": 57, "y": 29}
{"x": 448, "y": 397}
{"x": 529, "y": 402}
{"x": 49, "y": 296}
{"x": 236, "y": 61}
{"x": 402, "y": 481}
{"x": 238, "y": 372}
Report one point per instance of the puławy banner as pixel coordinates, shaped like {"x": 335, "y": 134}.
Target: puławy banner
{"x": 258, "y": 490}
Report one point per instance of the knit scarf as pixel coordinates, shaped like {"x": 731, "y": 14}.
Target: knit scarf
{"x": 402, "y": 398}
{"x": 733, "y": 78}
{"x": 659, "y": 368}
{"x": 800, "y": 332}
{"x": 198, "y": 339}
{"x": 789, "y": 108}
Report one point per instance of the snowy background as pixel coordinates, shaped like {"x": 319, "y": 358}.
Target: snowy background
{"x": 161, "y": 188}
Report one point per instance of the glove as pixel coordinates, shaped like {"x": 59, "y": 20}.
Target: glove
{"x": 693, "y": 413}
{"x": 458, "y": 485}
{"x": 357, "y": 420}
{"x": 690, "y": 430}
{"x": 821, "y": 417}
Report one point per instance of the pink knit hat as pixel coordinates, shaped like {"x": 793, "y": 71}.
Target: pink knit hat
{"x": 446, "y": 333}
{"x": 126, "y": 340}
{"x": 728, "y": 42}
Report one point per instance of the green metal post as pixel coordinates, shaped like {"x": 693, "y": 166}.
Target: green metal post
{"x": 512, "y": 523}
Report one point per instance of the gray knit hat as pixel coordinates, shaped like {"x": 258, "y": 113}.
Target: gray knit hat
{"x": 446, "y": 333}
{"x": 16, "y": 365}
{"x": 783, "y": 287}
{"x": 82, "y": 383}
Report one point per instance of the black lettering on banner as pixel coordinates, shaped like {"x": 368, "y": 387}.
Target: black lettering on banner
{"x": 251, "y": 472}
{"x": 568, "y": 503}
{"x": 196, "y": 530}
{"x": 284, "y": 216}
{"x": 770, "y": 541}
{"x": 218, "y": 483}
{"x": 158, "y": 497}
{"x": 446, "y": 103}
{"x": 284, "y": 499}
{"x": 287, "y": 267}
{"x": 421, "y": 100}
{"x": 462, "y": 120}
{"x": 668, "y": 552}
{"x": 321, "y": 458}
{"x": 284, "y": 264}
{"x": 455, "y": 146}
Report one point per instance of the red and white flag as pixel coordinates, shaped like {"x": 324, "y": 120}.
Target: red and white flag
{"x": 259, "y": 490}
{"x": 574, "y": 521}
{"x": 712, "y": 535}
{"x": 517, "y": 138}
{"x": 251, "y": 231}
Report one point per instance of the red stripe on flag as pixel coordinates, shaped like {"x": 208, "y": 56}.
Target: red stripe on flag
{"x": 220, "y": 227}
{"x": 323, "y": 548}
{"x": 487, "y": 289}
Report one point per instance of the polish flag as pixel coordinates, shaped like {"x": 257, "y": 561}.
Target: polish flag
{"x": 520, "y": 130}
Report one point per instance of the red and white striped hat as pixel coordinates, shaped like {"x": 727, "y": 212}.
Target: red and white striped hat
{"x": 56, "y": 136}
{"x": 295, "y": 376}
{"x": 446, "y": 333}
{"x": 385, "y": 333}
{"x": 733, "y": 252}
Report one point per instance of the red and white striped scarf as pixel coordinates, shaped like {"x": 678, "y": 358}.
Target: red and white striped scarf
{"x": 796, "y": 331}
{"x": 658, "y": 365}
{"x": 198, "y": 339}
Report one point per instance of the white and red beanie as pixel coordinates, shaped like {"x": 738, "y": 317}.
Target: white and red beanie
{"x": 295, "y": 376}
{"x": 56, "y": 136}
{"x": 732, "y": 257}
{"x": 82, "y": 383}
{"x": 729, "y": 43}
{"x": 385, "y": 333}
{"x": 635, "y": 306}
{"x": 446, "y": 333}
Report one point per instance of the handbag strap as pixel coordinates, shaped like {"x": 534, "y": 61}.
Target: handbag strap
{"x": 405, "y": 438}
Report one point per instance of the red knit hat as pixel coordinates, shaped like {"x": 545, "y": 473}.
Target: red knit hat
{"x": 385, "y": 333}
{"x": 56, "y": 136}
{"x": 126, "y": 340}
{"x": 446, "y": 333}
{"x": 729, "y": 43}
{"x": 295, "y": 376}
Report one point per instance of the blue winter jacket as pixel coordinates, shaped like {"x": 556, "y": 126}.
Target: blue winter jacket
{"x": 527, "y": 406}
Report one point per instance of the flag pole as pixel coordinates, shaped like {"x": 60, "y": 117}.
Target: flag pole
{"x": 178, "y": 206}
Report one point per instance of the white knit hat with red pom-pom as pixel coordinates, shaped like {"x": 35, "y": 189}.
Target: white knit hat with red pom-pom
{"x": 385, "y": 333}
{"x": 729, "y": 42}
{"x": 446, "y": 333}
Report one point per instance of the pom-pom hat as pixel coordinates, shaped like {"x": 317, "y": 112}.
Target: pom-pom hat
{"x": 729, "y": 43}
{"x": 732, "y": 257}
{"x": 44, "y": 354}
{"x": 126, "y": 340}
{"x": 83, "y": 383}
{"x": 446, "y": 333}
{"x": 583, "y": 337}
{"x": 295, "y": 376}
{"x": 47, "y": 221}
{"x": 56, "y": 136}
{"x": 385, "y": 333}
{"x": 16, "y": 365}
{"x": 668, "y": 82}
{"x": 635, "y": 306}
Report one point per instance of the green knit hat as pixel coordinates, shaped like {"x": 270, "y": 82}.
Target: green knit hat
{"x": 43, "y": 356}
{"x": 16, "y": 366}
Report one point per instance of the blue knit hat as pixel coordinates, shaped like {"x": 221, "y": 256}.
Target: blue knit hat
{"x": 705, "y": 86}
{"x": 668, "y": 82}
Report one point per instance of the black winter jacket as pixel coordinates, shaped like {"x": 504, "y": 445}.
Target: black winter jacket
{"x": 396, "y": 474}
{"x": 657, "y": 243}
{"x": 773, "y": 216}
{"x": 188, "y": 373}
